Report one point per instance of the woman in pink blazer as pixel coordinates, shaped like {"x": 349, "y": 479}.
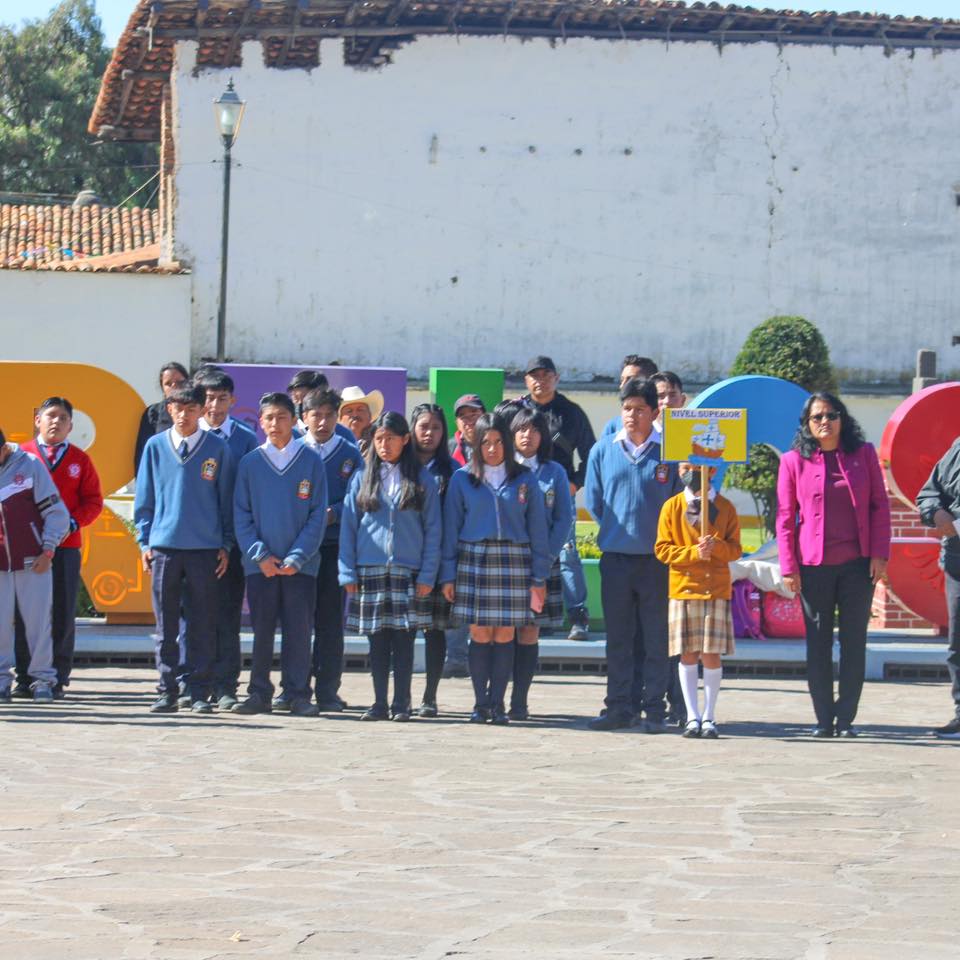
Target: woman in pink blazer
{"x": 833, "y": 531}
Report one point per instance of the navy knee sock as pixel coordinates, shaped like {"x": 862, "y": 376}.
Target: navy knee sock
{"x": 524, "y": 668}
{"x": 501, "y": 672}
{"x": 480, "y": 658}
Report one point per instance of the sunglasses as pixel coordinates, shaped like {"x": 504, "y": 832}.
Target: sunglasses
{"x": 820, "y": 417}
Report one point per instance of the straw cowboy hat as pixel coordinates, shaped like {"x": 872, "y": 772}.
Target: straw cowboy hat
{"x": 373, "y": 399}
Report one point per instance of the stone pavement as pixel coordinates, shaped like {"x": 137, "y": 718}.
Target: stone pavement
{"x": 126, "y": 835}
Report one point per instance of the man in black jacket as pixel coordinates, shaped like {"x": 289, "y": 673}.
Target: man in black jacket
{"x": 939, "y": 505}
{"x": 572, "y": 436}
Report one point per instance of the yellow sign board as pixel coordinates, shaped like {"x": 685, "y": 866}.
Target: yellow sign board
{"x": 706, "y": 437}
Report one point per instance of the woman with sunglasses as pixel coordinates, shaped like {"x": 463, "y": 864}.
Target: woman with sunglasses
{"x": 833, "y": 530}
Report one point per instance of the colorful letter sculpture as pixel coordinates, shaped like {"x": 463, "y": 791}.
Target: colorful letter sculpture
{"x": 918, "y": 434}
{"x": 447, "y": 384}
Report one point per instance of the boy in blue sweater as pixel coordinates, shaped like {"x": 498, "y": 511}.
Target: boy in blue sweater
{"x": 182, "y": 511}
{"x": 280, "y": 511}
{"x": 219, "y": 389}
{"x": 626, "y": 485}
{"x": 341, "y": 459}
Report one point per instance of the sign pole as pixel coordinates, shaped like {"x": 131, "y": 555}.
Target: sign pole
{"x": 704, "y": 502}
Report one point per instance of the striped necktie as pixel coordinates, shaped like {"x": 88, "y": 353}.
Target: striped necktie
{"x": 51, "y": 454}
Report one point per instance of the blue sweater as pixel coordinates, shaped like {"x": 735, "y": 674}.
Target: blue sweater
{"x": 515, "y": 512}
{"x": 281, "y": 514}
{"x": 389, "y": 536}
{"x": 185, "y": 505}
{"x": 241, "y": 441}
{"x": 625, "y": 496}
{"x": 558, "y": 504}
{"x": 340, "y": 465}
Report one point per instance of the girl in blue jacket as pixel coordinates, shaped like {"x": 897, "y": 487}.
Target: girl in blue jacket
{"x": 428, "y": 426}
{"x": 495, "y": 559}
{"x": 534, "y": 449}
{"x": 390, "y": 534}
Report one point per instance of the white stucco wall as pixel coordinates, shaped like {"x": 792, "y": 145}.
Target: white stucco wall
{"x": 128, "y": 324}
{"x": 437, "y": 211}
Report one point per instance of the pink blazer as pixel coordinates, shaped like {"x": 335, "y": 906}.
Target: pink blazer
{"x": 800, "y": 510}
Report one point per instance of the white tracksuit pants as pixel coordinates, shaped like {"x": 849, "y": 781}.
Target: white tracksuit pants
{"x": 32, "y": 593}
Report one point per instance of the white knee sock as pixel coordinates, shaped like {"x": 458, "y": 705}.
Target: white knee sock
{"x": 688, "y": 684}
{"x": 711, "y": 690}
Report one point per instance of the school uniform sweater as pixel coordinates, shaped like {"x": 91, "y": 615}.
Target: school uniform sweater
{"x": 690, "y": 577}
{"x": 625, "y": 495}
{"x": 341, "y": 460}
{"x": 389, "y": 536}
{"x": 33, "y": 518}
{"x": 185, "y": 504}
{"x": 558, "y": 504}
{"x": 240, "y": 440}
{"x": 77, "y": 483}
{"x": 514, "y": 512}
{"x": 281, "y": 513}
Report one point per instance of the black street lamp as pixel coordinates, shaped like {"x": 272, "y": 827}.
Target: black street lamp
{"x": 229, "y": 112}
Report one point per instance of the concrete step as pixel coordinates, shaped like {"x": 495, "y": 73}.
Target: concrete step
{"x": 906, "y": 655}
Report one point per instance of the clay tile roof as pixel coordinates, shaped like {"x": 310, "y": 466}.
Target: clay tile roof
{"x": 128, "y": 105}
{"x": 95, "y": 238}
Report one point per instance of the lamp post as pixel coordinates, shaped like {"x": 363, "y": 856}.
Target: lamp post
{"x": 228, "y": 109}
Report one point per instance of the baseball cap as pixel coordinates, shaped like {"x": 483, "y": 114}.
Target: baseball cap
{"x": 469, "y": 400}
{"x": 540, "y": 363}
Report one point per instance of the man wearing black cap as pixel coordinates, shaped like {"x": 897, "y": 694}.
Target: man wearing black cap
{"x": 572, "y": 435}
{"x": 467, "y": 411}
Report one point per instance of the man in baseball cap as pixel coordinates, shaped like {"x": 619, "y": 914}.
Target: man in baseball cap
{"x": 467, "y": 411}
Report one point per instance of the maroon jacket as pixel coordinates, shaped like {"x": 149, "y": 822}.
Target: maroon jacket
{"x": 800, "y": 509}
{"x": 33, "y": 518}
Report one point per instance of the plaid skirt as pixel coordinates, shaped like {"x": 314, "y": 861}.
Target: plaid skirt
{"x": 493, "y": 584}
{"x": 552, "y": 613}
{"x": 386, "y": 600}
{"x": 701, "y": 626}
{"x": 439, "y": 610}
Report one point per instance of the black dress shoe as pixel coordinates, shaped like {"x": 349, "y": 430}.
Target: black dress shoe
{"x": 185, "y": 701}
{"x": 500, "y": 717}
{"x": 608, "y": 721}
{"x": 427, "y": 710}
{"x": 822, "y": 733}
{"x": 480, "y": 715}
{"x": 375, "y": 713}
{"x": 251, "y": 706}
{"x": 847, "y": 732}
{"x": 201, "y": 706}
{"x": 330, "y": 706}
{"x": 519, "y": 713}
{"x": 165, "y": 703}
{"x": 226, "y": 702}
{"x": 303, "y": 708}
{"x": 400, "y": 716}
{"x": 281, "y": 704}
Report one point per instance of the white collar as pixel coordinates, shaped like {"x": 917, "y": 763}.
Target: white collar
{"x": 328, "y": 447}
{"x": 282, "y": 458}
{"x": 633, "y": 450}
{"x": 531, "y": 462}
{"x": 390, "y": 479}
{"x": 226, "y": 428}
{"x": 691, "y": 496}
{"x": 495, "y": 477}
{"x": 192, "y": 440}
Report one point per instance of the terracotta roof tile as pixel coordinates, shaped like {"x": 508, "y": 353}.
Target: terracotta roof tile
{"x": 128, "y": 105}
{"x": 63, "y": 237}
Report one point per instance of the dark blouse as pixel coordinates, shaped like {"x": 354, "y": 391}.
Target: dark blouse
{"x": 841, "y": 538}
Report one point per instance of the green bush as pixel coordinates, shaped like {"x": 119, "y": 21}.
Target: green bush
{"x": 587, "y": 546}
{"x": 791, "y": 348}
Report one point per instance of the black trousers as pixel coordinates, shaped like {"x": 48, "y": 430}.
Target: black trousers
{"x": 951, "y": 577}
{"x": 392, "y": 647}
{"x": 635, "y": 607}
{"x": 227, "y": 658}
{"x": 189, "y": 575}
{"x": 847, "y": 589}
{"x": 328, "y": 627}
{"x": 289, "y": 601}
{"x": 66, "y": 586}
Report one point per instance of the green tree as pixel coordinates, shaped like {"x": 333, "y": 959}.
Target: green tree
{"x": 50, "y": 72}
{"x": 791, "y": 348}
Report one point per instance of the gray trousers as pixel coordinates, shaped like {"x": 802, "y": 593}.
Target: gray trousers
{"x": 32, "y": 594}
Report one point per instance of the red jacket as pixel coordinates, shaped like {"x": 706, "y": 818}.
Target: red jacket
{"x": 800, "y": 511}
{"x": 78, "y": 485}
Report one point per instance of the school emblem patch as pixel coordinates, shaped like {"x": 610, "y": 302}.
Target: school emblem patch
{"x": 74, "y": 470}
{"x": 303, "y": 491}
{"x": 208, "y": 469}
{"x": 663, "y": 473}
{"x": 550, "y": 496}
{"x": 18, "y": 480}
{"x": 522, "y": 493}
{"x": 346, "y": 468}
